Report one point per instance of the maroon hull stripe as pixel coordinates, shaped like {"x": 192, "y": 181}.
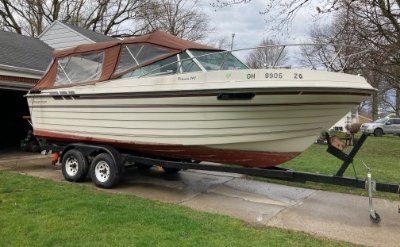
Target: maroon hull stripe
{"x": 210, "y": 92}
{"x": 200, "y": 153}
{"x": 191, "y": 106}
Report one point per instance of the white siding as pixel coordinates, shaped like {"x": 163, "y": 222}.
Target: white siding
{"x": 60, "y": 36}
{"x": 343, "y": 122}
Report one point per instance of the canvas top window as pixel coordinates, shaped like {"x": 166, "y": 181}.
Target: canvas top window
{"x": 79, "y": 68}
{"x": 134, "y": 55}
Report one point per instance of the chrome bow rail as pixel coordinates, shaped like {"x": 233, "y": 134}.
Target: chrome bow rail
{"x": 317, "y": 56}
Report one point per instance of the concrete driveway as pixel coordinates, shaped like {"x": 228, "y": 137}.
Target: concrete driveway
{"x": 332, "y": 215}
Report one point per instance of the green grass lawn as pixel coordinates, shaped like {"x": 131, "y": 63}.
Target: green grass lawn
{"x": 38, "y": 212}
{"x": 381, "y": 154}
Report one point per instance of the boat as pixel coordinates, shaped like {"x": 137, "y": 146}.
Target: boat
{"x": 162, "y": 96}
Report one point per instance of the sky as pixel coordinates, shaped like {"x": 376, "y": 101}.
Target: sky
{"x": 250, "y": 27}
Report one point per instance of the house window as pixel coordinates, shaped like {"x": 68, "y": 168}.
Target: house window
{"x": 336, "y": 128}
{"x": 79, "y": 68}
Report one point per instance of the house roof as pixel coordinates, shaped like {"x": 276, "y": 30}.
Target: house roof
{"x": 96, "y": 37}
{"x": 23, "y": 53}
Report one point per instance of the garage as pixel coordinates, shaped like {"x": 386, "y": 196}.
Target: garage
{"x": 13, "y": 127}
{"x": 23, "y": 61}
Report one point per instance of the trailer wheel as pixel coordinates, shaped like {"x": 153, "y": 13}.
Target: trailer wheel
{"x": 376, "y": 219}
{"x": 74, "y": 166}
{"x": 104, "y": 171}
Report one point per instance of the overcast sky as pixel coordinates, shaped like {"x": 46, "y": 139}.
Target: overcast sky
{"x": 250, "y": 27}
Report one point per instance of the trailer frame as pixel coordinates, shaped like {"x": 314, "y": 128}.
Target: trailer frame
{"x": 113, "y": 163}
{"x": 123, "y": 156}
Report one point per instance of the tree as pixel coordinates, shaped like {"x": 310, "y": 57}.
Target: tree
{"x": 33, "y": 16}
{"x": 267, "y": 55}
{"x": 110, "y": 17}
{"x": 377, "y": 22}
{"x": 280, "y": 13}
{"x": 374, "y": 22}
{"x": 223, "y": 43}
{"x": 341, "y": 50}
{"x": 181, "y": 18}
{"x": 349, "y": 52}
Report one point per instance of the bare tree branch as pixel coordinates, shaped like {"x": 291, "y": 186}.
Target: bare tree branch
{"x": 32, "y": 16}
{"x": 8, "y": 17}
{"x": 181, "y": 18}
{"x": 268, "y": 55}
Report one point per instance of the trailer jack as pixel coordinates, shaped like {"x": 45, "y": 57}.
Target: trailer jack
{"x": 370, "y": 186}
{"x": 398, "y": 192}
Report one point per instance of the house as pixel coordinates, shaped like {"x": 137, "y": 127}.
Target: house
{"x": 60, "y": 36}
{"x": 348, "y": 119}
{"x": 23, "y": 61}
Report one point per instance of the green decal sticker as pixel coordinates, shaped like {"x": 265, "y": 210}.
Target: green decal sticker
{"x": 228, "y": 76}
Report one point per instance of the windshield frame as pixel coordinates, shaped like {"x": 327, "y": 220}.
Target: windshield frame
{"x": 179, "y": 63}
{"x": 223, "y": 62}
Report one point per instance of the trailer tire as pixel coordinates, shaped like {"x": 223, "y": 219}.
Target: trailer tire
{"x": 376, "y": 219}
{"x": 74, "y": 166}
{"x": 104, "y": 171}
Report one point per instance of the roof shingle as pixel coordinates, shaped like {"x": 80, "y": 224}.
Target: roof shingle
{"x": 96, "y": 37}
{"x": 24, "y": 52}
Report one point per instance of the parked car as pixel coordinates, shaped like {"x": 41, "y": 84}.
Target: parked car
{"x": 382, "y": 126}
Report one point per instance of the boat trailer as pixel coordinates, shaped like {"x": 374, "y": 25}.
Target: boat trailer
{"x": 118, "y": 161}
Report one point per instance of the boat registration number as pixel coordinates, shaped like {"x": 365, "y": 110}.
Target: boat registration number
{"x": 282, "y": 75}
{"x": 275, "y": 75}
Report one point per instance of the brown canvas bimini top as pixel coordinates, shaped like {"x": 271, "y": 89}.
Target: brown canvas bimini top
{"x": 112, "y": 51}
{"x": 157, "y": 38}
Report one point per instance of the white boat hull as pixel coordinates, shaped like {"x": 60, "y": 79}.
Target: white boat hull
{"x": 186, "y": 120}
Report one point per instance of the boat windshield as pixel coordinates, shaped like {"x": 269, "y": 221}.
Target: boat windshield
{"x": 189, "y": 61}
